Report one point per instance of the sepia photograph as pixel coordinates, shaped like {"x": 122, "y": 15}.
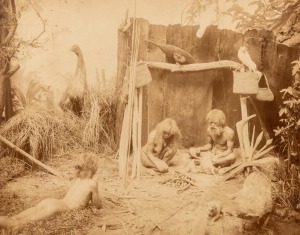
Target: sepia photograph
{"x": 149, "y": 117}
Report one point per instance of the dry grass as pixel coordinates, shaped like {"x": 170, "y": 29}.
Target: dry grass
{"x": 11, "y": 168}
{"x": 100, "y": 114}
{"x": 71, "y": 222}
{"x": 42, "y": 133}
{"x": 288, "y": 189}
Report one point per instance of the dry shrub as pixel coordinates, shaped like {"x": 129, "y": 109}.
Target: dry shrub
{"x": 11, "y": 168}
{"x": 288, "y": 188}
{"x": 100, "y": 114}
{"x": 42, "y": 132}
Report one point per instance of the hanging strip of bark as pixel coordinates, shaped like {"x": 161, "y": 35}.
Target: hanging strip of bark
{"x": 17, "y": 149}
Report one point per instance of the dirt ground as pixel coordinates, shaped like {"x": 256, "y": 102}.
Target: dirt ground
{"x": 145, "y": 207}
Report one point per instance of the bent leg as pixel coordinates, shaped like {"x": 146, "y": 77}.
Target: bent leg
{"x": 224, "y": 161}
{"x": 150, "y": 161}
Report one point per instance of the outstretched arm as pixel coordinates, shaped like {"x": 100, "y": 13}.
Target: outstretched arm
{"x": 208, "y": 146}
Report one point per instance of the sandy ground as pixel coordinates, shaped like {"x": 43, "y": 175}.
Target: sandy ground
{"x": 144, "y": 207}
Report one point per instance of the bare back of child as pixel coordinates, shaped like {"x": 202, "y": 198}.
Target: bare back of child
{"x": 83, "y": 189}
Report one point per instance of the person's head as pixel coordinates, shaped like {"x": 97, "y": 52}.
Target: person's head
{"x": 166, "y": 129}
{"x": 89, "y": 166}
{"x": 216, "y": 121}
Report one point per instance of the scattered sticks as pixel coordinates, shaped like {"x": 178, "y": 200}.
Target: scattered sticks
{"x": 181, "y": 181}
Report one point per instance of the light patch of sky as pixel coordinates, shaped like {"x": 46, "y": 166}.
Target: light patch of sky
{"x": 93, "y": 25}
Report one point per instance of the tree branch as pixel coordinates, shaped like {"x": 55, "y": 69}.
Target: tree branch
{"x": 14, "y": 24}
{"x": 13, "y": 70}
{"x": 44, "y": 22}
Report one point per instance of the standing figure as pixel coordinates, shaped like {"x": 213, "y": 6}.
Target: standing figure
{"x": 83, "y": 189}
{"x": 220, "y": 140}
{"x": 162, "y": 144}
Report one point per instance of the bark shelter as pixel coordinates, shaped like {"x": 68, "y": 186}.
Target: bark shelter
{"x": 188, "y": 96}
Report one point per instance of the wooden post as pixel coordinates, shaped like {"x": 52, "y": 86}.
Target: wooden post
{"x": 140, "y": 119}
{"x": 245, "y": 131}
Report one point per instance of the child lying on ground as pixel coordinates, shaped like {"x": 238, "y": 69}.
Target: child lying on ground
{"x": 83, "y": 189}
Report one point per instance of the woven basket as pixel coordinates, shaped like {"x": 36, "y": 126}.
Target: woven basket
{"x": 143, "y": 75}
{"x": 245, "y": 82}
{"x": 265, "y": 93}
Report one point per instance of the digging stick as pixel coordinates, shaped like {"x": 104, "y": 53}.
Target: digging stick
{"x": 17, "y": 149}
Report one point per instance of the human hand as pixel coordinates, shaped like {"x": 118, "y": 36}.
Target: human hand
{"x": 194, "y": 152}
{"x": 162, "y": 167}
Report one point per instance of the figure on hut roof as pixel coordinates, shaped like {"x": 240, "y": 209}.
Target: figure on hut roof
{"x": 220, "y": 141}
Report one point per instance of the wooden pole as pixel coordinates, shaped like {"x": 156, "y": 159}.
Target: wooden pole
{"x": 17, "y": 149}
{"x": 134, "y": 139}
{"x": 245, "y": 130}
{"x": 123, "y": 148}
{"x": 140, "y": 124}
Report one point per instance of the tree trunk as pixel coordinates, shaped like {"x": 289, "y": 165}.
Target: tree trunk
{"x": 7, "y": 30}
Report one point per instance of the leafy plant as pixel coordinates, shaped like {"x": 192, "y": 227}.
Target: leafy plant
{"x": 289, "y": 134}
{"x": 289, "y": 114}
{"x": 37, "y": 94}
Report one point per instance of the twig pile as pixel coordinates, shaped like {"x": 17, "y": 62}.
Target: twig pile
{"x": 180, "y": 181}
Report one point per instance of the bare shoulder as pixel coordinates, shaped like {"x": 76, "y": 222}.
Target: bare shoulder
{"x": 151, "y": 136}
{"x": 91, "y": 183}
{"x": 228, "y": 132}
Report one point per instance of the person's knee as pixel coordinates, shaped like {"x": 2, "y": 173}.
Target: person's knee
{"x": 225, "y": 161}
{"x": 162, "y": 167}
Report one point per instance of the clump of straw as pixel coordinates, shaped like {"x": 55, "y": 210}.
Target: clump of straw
{"x": 10, "y": 168}
{"x": 100, "y": 115}
{"x": 41, "y": 132}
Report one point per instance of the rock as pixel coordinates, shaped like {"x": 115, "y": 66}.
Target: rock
{"x": 255, "y": 202}
{"x": 270, "y": 167}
